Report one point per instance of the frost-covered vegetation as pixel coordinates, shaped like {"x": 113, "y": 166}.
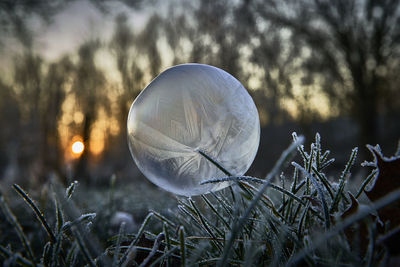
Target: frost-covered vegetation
{"x": 64, "y": 75}
{"x": 297, "y": 214}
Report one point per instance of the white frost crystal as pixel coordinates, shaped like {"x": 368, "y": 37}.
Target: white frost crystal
{"x": 185, "y": 109}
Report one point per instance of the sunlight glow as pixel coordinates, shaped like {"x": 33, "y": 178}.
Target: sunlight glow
{"x": 77, "y": 148}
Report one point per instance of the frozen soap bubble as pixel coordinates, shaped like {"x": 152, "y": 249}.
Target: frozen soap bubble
{"x": 185, "y": 109}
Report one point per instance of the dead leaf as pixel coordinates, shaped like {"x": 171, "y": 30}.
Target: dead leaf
{"x": 387, "y": 180}
{"x": 352, "y": 209}
{"x": 357, "y": 234}
{"x": 388, "y": 177}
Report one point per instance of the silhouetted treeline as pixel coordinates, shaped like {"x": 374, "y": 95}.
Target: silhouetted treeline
{"x": 306, "y": 63}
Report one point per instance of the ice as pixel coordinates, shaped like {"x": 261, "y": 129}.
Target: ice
{"x": 187, "y": 108}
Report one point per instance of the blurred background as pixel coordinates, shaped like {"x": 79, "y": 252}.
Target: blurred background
{"x": 70, "y": 70}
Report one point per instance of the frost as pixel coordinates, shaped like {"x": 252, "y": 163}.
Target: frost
{"x": 185, "y": 109}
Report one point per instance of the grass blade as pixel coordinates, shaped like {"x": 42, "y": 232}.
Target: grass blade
{"x": 59, "y": 216}
{"x": 237, "y": 226}
{"x": 21, "y": 235}
{"x": 83, "y": 248}
{"x": 182, "y": 245}
{"x": 339, "y": 193}
{"x": 118, "y": 244}
{"x": 366, "y": 182}
{"x": 324, "y": 181}
{"x": 214, "y": 162}
{"x": 70, "y": 190}
{"x": 137, "y": 238}
{"x": 320, "y": 193}
{"x": 5, "y": 253}
{"x": 154, "y": 250}
{"x": 381, "y": 203}
{"x": 162, "y": 218}
{"x": 165, "y": 255}
{"x": 211, "y": 206}
{"x": 205, "y": 224}
{"x": 167, "y": 241}
{"x": 37, "y": 212}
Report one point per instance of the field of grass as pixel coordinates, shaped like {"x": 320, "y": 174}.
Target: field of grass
{"x": 299, "y": 214}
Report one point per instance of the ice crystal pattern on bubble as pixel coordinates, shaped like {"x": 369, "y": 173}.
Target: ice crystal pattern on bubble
{"x": 185, "y": 109}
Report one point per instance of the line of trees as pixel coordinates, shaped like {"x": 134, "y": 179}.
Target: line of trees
{"x": 346, "y": 51}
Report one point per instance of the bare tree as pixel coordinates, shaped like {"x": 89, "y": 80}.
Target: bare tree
{"x": 352, "y": 51}
{"x": 28, "y": 85}
{"x": 123, "y": 47}
{"x": 39, "y": 91}
{"x": 147, "y": 43}
{"x": 88, "y": 87}
{"x": 122, "y": 44}
{"x": 226, "y": 35}
{"x": 54, "y": 86}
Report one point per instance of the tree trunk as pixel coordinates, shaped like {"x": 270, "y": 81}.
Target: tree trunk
{"x": 368, "y": 122}
{"x": 367, "y": 119}
{"x": 82, "y": 166}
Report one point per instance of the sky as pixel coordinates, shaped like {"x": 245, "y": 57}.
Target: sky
{"x": 78, "y": 22}
{"x": 82, "y": 21}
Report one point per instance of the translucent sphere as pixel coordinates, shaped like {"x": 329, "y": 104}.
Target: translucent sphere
{"x": 185, "y": 109}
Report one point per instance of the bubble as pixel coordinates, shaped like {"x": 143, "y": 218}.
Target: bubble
{"x": 185, "y": 109}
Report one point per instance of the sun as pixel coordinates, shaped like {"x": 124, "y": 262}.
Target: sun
{"x": 77, "y": 148}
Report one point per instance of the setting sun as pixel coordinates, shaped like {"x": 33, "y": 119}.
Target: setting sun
{"x": 77, "y": 148}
